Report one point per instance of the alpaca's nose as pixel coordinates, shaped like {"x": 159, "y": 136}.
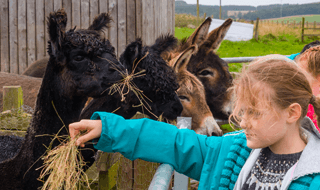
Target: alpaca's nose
{"x": 177, "y": 108}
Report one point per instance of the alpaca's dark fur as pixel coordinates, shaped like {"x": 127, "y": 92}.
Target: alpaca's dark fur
{"x": 78, "y": 68}
{"x": 158, "y": 84}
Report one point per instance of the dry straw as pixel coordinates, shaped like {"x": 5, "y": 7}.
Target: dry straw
{"x": 62, "y": 167}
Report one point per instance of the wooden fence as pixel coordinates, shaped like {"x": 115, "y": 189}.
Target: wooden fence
{"x": 24, "y": 29}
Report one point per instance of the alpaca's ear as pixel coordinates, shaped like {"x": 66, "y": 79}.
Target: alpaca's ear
{"x": 200, "y": 34}
{"x": 216, "y": 36}
{"x": 131, "y": 54}
{"x": 183, "y": 59}
{"x": 164, "y": 43}
{"x": 100, "y": 22}
{"x": 57, "y": 22}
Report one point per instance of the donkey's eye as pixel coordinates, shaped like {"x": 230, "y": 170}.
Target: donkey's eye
{"x": 78, "y": 58}
{"x": 184, "y": 98}
{"x": 205, "y": 73}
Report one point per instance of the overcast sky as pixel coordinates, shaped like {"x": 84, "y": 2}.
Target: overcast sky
{"x": 249, "y": 2}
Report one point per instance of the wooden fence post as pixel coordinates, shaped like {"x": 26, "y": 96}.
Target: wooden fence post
{"x": 302, "y": 29}
{"x": 256, "y": 35}
{"x": 12, "y": 97}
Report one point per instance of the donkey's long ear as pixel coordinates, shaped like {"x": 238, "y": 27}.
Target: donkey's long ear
{"x": 216, "y": 36}
{"x": 200, "y": 34}
{"x": 164, "y": 43}
{"x": 181, "y": 62}
{"x": 100, "y": 22}
{"x": 131, "y": 54}
{"x": 57, "y": 22}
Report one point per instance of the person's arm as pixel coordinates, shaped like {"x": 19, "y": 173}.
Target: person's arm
{"x": 153, "y": 141}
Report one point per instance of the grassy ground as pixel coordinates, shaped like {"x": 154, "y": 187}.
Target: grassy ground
{"x": 309, "y": 18}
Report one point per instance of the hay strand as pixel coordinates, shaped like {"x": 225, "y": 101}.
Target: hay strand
{"x": 62, "y": 167}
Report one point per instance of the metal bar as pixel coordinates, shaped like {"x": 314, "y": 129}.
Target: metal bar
{"x": 240, "y": 59}
{"x": 162, "y": 177}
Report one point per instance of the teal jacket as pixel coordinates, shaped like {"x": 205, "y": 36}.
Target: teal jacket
{"x": 216, "y": 162}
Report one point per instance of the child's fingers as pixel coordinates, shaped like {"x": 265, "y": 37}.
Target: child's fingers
{"x": 94, "y": 133}
{"x": 76, "y": 127}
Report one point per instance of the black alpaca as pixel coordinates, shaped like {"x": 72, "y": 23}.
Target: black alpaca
{"x": 158, "y": 84}
{"x": 79, "y": 67}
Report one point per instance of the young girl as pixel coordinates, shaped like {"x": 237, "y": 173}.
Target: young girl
{"x": 278, "y": 148}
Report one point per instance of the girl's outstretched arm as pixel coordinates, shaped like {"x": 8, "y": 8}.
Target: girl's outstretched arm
{"x": 148, "y": 140}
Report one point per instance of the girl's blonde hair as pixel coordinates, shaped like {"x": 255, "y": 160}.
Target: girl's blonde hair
{"x": 312, "y": 55}
{"x": 269, "y": 81}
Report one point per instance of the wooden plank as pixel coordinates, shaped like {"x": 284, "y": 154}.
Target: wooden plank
{"x": 57, "y": 4}
{"x": 5, "y": 64}
{"x": 13, "y": 37}
{"x": 143, "y": 173}
{"x": 131, "y": 21}
{"x": 22, "y": 35}
{"x": 125, "y": 178}
{"x": 122, "y": 26}
{"x": 103, "y": 8}
{"x": 85, "y": 14}
{"x": 48, "y": 8}
{"x": 41, "y": 43}
{"x": 156, "y": 13}
{"x": 173, "y": 17}
{"x": 138, "y": 18}
{"x": 76, "y": 14}
{"x": 67, "y": 5}
{"x": 164, "y": 17}
{"x": 94, "y": 9}
{"x": 113, "y": 31}
{"x": 31, "y": 32}
{"x": 147, "y": 22}
{"x": 170, "y": 15}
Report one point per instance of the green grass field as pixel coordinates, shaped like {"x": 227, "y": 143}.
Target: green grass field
{"x": 308, "y": 18}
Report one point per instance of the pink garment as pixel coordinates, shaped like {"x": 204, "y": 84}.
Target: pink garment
{"x": 312, "y": 116}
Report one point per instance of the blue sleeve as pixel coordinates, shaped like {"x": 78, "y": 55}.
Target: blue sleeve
{"x": 292, "y": 56}
{"x": 153, "y": 141}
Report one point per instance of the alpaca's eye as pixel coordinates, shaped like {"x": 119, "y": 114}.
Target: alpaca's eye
{"x": 78, "y": 58}
{"x": 184, "y": 98}
{"x": 205, "y": 73}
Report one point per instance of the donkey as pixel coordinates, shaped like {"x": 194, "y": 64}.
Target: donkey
{"x": 210, "y": 69}
{"x": 79, "y": 67}
{"x": 192, "y": 96}
{"x": 157, "y": 83}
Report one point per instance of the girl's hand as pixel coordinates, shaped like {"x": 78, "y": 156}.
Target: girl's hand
{"x": 93, "y": 128}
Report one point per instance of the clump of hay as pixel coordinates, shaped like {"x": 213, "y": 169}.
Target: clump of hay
{"x": 62, "y": 166}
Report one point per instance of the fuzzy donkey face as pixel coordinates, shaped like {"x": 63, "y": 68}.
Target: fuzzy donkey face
{"x": 81, "y": 57}
{"x": 159, "y": 83}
